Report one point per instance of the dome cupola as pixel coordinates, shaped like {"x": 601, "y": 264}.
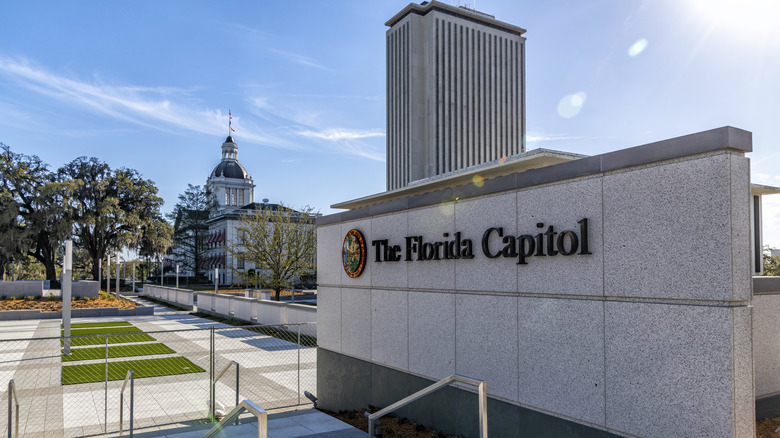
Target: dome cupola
{"x": 229, "y": 182}
{"x": 229, "y": 167}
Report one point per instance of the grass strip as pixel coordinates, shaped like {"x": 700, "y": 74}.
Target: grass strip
{"x": 90, "y": 373}
{"x": 91, "y": 353}
{"x": 102, "y": 331}
{"x": 112, "y": 339}
{"x": 100, "y": 324}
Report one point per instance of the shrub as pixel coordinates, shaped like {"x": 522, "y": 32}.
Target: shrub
{"x": 30, "y": 298}
{"x": 2, "y": 297}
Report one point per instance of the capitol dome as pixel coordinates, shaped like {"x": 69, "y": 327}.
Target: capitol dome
{"x": 229, "y": 182}
{"x": 230, "y": 169}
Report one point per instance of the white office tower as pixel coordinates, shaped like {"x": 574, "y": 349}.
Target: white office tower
{"x": 455, "y": 91}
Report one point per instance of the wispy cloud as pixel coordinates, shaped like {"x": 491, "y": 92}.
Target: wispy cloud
{"x": 163, "y": 108}
{"x": 551, "y": 137}
{"x": 362, "y": 150}
{"x": 300, "y": 59}
{"x": 297, "y": 121}
{"x": 175, "y": 110}
{"x": 350, "y": 141}
{"x": 342, "y": 134}
{"x": 531, "y": 138}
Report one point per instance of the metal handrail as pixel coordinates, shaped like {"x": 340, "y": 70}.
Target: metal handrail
{"x": 13, "y": 400}
{"x": 129, "y": 375}
{"x": 246, "y": 405}
{"x": 222, "y": 373}
{"x": 480, "y": 384}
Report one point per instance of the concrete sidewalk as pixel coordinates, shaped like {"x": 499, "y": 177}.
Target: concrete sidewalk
{"x": 270, "y": 374}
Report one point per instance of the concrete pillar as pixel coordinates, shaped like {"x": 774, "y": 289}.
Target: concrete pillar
{"x": 117, "y": 274}
{"x": 108, "y": 272}
{"x": 67, "y": 277}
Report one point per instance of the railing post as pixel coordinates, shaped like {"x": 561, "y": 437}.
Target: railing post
{"x": 13, "y": 401}
{"x": 237, "y": 382}
{"x": 212, "y": 395}
{"x": 299, "y": 362}
{"x": 105, "y": 403}
{"x": 132, "y": 401}
{"x": 483, "y": 425}
{"x": 10, "y": 407}
{"x": 372, "y": 429}
{"x": 122, "y": 402}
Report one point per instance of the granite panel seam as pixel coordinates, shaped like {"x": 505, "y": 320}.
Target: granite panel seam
{"x": 604, "y": 304}
{"x": 734, "y": 407}
{"x": 608, "y": 298}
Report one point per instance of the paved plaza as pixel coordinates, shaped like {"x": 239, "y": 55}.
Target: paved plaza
{"x": 270, "y": 376}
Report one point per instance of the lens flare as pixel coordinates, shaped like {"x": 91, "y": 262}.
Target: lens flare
{"x": 478, "y": 180}
{"x": 638, "y": 47}
{"x": 571, "y": 105}
{"x": 447, "y": 209}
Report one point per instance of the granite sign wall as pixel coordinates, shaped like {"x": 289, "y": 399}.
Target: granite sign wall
{"x": 580, "y": 292}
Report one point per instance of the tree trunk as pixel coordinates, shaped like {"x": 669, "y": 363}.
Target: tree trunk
{"x": 277, "y": 293}
{"x": 51, "y": 271}
{"x": 45, "y": 254}
{"x": 95, "y": 269}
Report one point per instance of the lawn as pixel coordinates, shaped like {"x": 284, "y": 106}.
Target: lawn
{"x": 89, "y": 373}
{"x": 101, "y": 330}
{"x": 116, "y": 351}
{"x": 112, "y": 339}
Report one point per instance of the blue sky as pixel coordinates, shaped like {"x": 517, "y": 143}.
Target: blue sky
{"x": 147, "y": 85}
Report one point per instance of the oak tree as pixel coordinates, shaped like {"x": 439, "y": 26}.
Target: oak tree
{"x": 281, "y": 244}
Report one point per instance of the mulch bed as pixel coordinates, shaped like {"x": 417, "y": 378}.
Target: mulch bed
{"x": 392, "y": 427}
{"x": 766, "y": 426}
{"x": 55, "y": 304}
